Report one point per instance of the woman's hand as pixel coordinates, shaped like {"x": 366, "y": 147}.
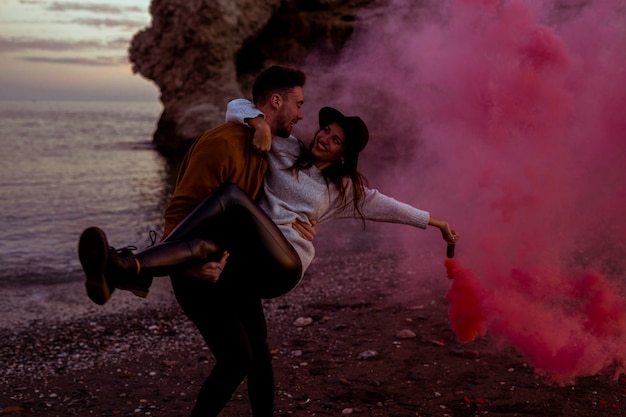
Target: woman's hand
{"x": 209, "y": 271}
{"x": 449, "y": 235}
{"x": 262, "y": 140}
{"x": 305, "y": 230}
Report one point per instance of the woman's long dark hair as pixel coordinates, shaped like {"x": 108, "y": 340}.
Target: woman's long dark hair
{"x": 335, "y": 174}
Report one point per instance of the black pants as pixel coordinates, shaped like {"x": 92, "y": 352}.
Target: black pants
{"x": 229, "y": 313}
{"x": 233, "y": 325}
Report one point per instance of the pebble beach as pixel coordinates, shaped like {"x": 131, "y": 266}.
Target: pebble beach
{"x": 363, "y": 334}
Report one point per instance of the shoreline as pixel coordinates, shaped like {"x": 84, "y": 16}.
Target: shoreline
{"x": 67, "y": 301}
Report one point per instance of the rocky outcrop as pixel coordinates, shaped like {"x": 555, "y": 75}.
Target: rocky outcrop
{"x": 202, "y": 53}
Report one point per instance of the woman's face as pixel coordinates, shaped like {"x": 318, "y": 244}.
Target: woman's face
{"x": 328, "y": 145}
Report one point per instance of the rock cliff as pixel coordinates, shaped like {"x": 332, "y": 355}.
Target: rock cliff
{"x": 202, "y": 53}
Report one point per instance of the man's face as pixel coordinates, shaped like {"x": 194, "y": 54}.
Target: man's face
{"x": 289, "y": 112}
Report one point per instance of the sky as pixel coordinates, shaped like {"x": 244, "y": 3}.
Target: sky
{"x": 71, "y": 50}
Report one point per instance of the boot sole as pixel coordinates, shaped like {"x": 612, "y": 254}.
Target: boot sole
{"x": 93, "y": 249}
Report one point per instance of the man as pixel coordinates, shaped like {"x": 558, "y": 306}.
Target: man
{"x": 229, "y": 317}
{"x": 228, "y": 312}
{"x": 224, "y": 154}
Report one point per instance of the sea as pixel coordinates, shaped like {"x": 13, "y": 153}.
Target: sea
{"x": 65, "y": 166}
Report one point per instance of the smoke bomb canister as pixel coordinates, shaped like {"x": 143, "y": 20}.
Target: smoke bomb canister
{"x": 450, "y": 250}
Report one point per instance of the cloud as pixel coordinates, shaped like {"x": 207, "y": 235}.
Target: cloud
{"x": 23, "y": 43}
{"x": 127, "y": 24}
{"x": 98, "y": 61}
{"x": 119, "y": 43}
{"x": 94, "y": 8}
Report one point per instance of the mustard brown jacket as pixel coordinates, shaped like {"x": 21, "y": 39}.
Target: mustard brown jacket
{"x": 222, "y": 154}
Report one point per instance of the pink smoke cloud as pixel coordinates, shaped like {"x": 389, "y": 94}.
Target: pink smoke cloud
{"x": 507, "y": 119}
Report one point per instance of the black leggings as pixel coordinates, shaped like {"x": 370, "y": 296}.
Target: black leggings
{"x": 263, "y": 259}
{"x": 229, "y": 313}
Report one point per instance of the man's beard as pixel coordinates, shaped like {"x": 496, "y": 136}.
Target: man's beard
{"x": 284, "y": 126}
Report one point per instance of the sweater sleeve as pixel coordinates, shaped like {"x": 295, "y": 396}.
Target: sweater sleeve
{"x": 240, "y": 109}
{"x": 378, "y": 207}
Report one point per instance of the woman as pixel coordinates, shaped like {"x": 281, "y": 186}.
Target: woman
{"x": 311, "y": 185}
{"x": 322, "y": 182}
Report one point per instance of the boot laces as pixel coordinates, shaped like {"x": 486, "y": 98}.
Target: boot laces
{"x": 153, "y": 237}
{"x": 129, "y": 249}
{"x": 124, "y": 251}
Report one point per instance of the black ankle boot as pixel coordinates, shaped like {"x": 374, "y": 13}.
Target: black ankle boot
{"x": 104, "y": 267}
{"x": 93, "y": 253}
{"x": 121, "y": 272}
{"x": 107, "y": 268}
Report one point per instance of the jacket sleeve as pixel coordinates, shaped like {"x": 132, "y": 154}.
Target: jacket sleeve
{"x": 240, "y": 109}
{"x": 206, "y": 168}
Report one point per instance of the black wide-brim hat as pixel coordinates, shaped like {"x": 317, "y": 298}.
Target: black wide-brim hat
{"x": 355, "y": 129}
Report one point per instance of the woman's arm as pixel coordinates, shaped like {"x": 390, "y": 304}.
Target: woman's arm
{"x": 379, "y": 207}
{"x": 240, "y": 109}
{"x": 244, "y": 112}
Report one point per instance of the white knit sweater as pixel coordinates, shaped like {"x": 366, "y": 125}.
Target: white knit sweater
{"x": 304, "y": 195}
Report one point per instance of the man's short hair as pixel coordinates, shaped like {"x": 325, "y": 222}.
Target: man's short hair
{"x": 276, "y": 79}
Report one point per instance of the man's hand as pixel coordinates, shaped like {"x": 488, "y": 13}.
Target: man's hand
{"x": 305, "y": 230}
{"x": 209, "y": 271}
{"x": 262, "y": 140}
